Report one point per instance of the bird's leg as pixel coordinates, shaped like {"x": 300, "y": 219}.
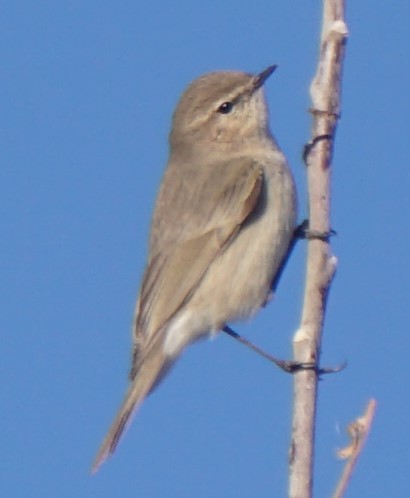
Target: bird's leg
{"x": 303, "y": 231}
{"x": 307, "y": 149}
{"x": 288, "y": 366}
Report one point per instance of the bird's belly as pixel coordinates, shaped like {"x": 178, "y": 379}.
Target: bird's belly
{"x": 238, "y": 281}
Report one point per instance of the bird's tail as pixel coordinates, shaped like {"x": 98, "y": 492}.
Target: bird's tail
{"x": 149, "y": 374}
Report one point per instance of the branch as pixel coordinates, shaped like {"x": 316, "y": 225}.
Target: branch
{"x": 358, "y": 432}
{"x": 321, "y": 264}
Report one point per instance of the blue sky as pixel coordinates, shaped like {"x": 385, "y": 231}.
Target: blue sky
{"x": 87, "y": 92}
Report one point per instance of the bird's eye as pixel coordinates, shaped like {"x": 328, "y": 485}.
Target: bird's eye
{"x": 225, "y": 108}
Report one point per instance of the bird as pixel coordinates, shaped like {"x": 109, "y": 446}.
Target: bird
{"x": 222, "y": 229}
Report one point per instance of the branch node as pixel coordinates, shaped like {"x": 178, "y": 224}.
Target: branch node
{"x": 324, "y": 113}
{"x": 338, "y": 31}
{"x": 331, "y": 267}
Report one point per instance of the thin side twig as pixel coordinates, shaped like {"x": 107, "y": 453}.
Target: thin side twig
{"x": 321, "y": 264}
{"x": 358, "y": 431}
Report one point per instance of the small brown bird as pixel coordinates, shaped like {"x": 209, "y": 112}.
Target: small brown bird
{"x": 222, "y": 228}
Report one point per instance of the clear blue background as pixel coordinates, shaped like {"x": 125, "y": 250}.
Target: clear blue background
{"x": 87, "y": 92}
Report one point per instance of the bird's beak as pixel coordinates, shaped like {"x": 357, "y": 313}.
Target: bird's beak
{"x": 260, "y": 78}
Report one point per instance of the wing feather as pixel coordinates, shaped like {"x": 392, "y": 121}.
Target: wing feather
{"x": 222, "y": 205}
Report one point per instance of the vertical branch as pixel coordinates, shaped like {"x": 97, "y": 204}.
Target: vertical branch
{"x": 321, "y": 265}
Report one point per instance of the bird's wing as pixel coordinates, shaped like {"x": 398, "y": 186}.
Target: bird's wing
{"x": 225, "y": 202}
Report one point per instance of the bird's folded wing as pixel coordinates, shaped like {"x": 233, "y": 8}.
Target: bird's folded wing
{"x": 174, "y": 274}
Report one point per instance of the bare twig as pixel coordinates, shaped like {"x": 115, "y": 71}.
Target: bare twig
{"x": 321, "y": 265}
{"x": 358, "y": 431}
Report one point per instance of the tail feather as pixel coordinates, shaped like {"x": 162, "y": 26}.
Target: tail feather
{"x": 150, "y": 373}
